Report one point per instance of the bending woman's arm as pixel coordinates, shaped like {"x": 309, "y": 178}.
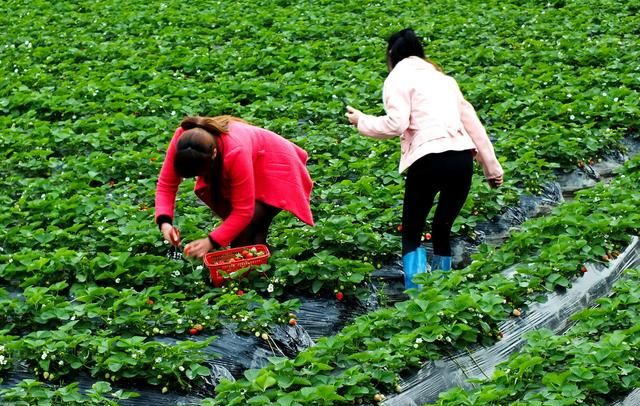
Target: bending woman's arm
{"x": 168, "y": 183}
{"x": 243, "y": 197}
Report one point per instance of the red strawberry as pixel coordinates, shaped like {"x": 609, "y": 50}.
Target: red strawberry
{"x": 427, "y": 236}
{"x": 240, "y": 292}
{"x": 339, "y": 295}
{"x": 399, "y": 228}
{"x": 150, "y": 301}
{"x": 583, "y": 269}
{"x": 193, "y": 331}
{"x": 293, "y": 322}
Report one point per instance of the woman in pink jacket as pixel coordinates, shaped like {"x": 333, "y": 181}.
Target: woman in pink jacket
{"x": 440, "y": 134}
{"x": 245, "y": 174}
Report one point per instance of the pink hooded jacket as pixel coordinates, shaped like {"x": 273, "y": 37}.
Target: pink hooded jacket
{"x": 257, "y": 165}
{"x": 426, "y": 108}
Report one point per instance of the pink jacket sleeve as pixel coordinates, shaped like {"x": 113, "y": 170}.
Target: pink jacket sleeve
{"x": 486, "y": 155}
{"x": 397, "y": 104}
{"x": 168, "y": 181}
{"x": 243, "y": 197}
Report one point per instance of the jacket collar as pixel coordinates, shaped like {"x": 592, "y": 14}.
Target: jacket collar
{"x": 414, "y": 62}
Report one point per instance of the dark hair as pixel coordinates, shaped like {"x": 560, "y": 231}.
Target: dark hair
{"x": 195, "y": 148}
{"x": 193, "y": 152}
{"x": 403, "y": 44}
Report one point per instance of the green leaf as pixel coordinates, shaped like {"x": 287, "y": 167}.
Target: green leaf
{"x": 316, "y": 285}
{"x": 265, "y": 381}
{"x": 114, "y": 366}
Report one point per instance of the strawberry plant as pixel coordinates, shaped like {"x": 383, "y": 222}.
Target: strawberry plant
{"x": 90, "y": 101}
{"x": 593, "y": 362}
{"x": 30, "y": 391}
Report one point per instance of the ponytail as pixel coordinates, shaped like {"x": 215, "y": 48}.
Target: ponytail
{"x": 213, "y": 125}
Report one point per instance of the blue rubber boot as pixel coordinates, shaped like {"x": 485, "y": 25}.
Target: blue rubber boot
{"x": 440, "y": 263}
{"x": 413, "y": 263}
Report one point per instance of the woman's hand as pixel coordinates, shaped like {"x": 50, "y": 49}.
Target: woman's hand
{"x": 171, "y": 234}
{"x": 353, "y": 115}
{"x": 496, "y": 182}
{"x": 198, "y": 248}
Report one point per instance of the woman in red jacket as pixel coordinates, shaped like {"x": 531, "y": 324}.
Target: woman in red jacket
{"x": 245, "y": 174}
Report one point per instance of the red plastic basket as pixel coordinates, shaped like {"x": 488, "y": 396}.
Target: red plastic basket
{"x": 219, "y": 268}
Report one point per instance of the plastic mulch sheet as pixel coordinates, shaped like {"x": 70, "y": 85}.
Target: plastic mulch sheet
{"x": 230, "y": 354}
{"x": 632, "y": 400}
{"x": 322, "y": 317}
{"x": 590, "y": 174}
{"x": 528, "y": 206}
{"x": 426, "y": 384}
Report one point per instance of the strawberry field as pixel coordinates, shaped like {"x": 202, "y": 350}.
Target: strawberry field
{"x": 543, "y": 306}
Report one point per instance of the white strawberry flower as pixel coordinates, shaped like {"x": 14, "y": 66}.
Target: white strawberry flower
{"x": 181, "y": 368}
{"x": 270, "y": 288}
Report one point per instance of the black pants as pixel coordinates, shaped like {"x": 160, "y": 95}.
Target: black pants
{"x": 257, "y": 230}
{"x": 450, "y": 174}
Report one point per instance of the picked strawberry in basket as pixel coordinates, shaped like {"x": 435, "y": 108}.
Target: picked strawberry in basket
{"x": 223, "y": 263}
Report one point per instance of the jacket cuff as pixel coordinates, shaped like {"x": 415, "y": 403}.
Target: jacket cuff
{"x": 163, "y": 218}
{"x": 213, "y": 242}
